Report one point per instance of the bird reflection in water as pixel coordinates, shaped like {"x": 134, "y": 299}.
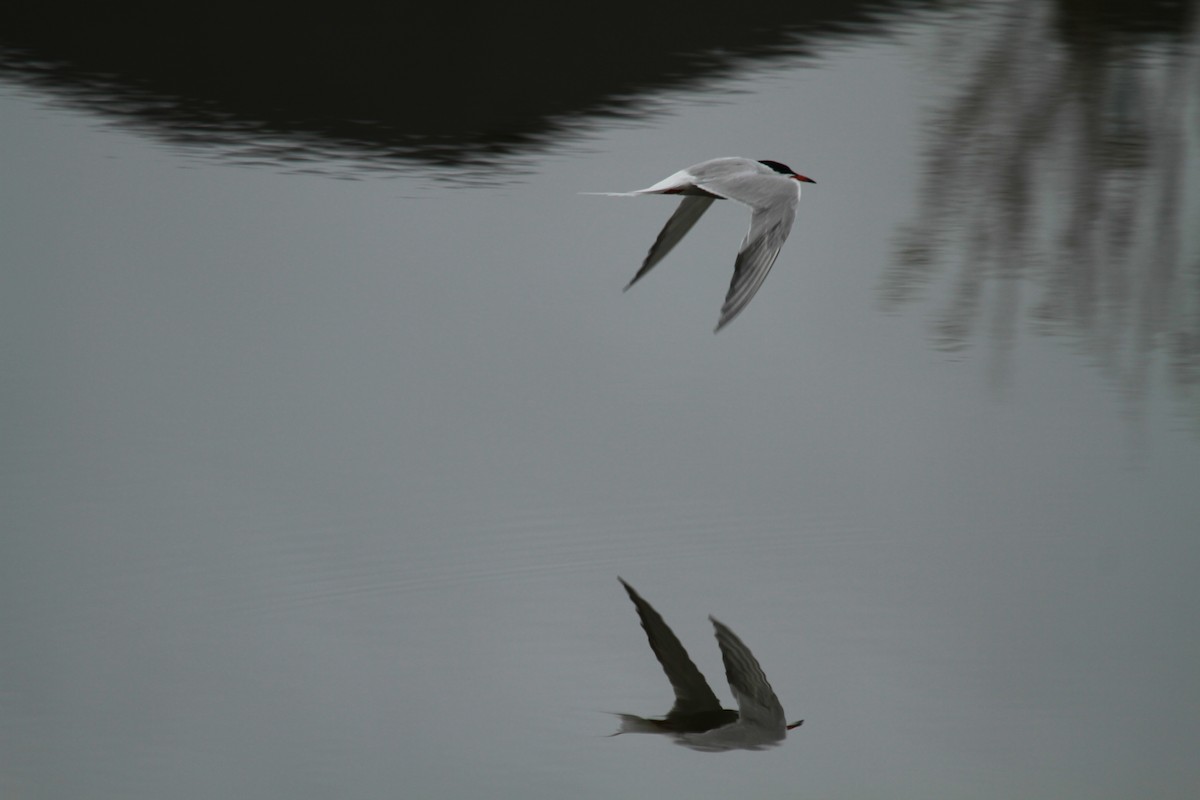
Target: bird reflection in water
{"x": 697, "y": 719}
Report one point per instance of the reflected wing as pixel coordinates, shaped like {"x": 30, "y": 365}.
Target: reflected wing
{"x": 692, "y": 692}
{"x": 757, "y": 703}
{"x": 690, "y": 209}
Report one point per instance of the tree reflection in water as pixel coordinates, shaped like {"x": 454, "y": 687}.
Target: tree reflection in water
{"x": 1062, "y": 160}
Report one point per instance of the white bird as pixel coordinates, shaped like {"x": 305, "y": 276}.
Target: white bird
{"x": 771, "y": 189}
{"x": 697, "y": 719}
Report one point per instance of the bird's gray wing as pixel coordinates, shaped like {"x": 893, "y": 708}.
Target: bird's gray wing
{"x": 690, "y": 209}
{"x": 757, "y": 703}
{"x": 773, "y": 199}
{"x": 692, "y": 692}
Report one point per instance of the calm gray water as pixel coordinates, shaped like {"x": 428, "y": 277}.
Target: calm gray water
{"x": 320, "y": 488}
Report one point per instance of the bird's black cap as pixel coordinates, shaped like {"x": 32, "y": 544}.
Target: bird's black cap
{"x": 781, "y": 168}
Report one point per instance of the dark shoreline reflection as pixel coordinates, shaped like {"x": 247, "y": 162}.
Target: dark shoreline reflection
{"x": 1061, "y": 160}
{"x": 443, "y": 86}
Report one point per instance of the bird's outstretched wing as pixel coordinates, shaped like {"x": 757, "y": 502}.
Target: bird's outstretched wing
{"x": 757, "y": 703}
{"x": 690, "y": 209}
{"x": 692, "y": 693}
{"x": 774, "y": 210}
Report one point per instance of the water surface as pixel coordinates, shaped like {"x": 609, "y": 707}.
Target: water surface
{"x": 319, "y": 487}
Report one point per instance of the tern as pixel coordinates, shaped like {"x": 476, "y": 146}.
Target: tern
{"x": 697, "y": 719}
{"x": 772, "y": 191}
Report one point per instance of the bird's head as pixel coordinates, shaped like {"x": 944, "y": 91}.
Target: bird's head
{"x": 784, "y": 169}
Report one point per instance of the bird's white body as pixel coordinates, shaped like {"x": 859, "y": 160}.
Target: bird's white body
{"x": 771, "y": 190}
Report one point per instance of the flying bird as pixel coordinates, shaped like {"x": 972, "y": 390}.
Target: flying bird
{"x": 772, "y": 191}
{"x": 697, "y": 719}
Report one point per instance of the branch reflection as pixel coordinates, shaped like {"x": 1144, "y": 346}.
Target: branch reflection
{"x": 1061, "y": 163}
